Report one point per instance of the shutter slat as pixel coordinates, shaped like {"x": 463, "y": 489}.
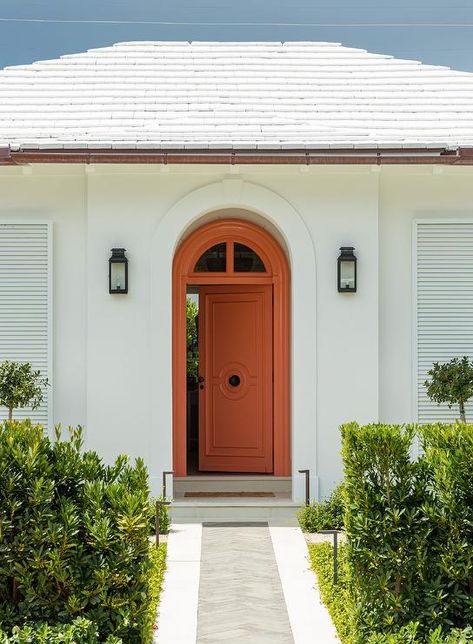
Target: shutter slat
{"x": 24, "y": 303}
{"x": 444, "y": 306}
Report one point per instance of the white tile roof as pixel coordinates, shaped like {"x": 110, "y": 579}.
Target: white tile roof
{"x": 241, "y": 95}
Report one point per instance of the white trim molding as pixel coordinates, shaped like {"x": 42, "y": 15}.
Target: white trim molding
{"x": 286, "y": 220}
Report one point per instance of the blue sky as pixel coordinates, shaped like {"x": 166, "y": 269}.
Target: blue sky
{"x": 434, "y": 31}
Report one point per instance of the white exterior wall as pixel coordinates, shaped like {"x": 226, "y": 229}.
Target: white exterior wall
{"x": 406, "y": 195}
{"x": 340, "y": 209}
{"x": 58, "y": 196}
{"x": 352, "y": 354}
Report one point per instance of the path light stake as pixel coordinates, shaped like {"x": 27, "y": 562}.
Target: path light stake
{"x": 158, "y": 504}
{"x": 335, "y": 552}
{"x": 164, "y": 482}
{"x": 307, "y": 485}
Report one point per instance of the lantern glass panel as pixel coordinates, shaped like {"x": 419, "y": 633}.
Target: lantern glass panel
{"x": 117, "y": 275}
{"x": 347, "y": 274}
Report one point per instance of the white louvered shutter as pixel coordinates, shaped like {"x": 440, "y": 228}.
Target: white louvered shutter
{"x": 444, "y": 305}
{"x": 24, "y": 303}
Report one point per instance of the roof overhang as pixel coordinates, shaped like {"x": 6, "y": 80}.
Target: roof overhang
{"x": 352, "y": 156}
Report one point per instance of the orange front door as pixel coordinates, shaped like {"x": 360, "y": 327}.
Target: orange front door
{"x": 236, "y": 365}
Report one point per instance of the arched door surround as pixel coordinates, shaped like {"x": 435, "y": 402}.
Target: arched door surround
{"x": 233, "y": 234}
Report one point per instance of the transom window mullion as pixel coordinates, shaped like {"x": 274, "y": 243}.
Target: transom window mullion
{"x": 230, "y": 254}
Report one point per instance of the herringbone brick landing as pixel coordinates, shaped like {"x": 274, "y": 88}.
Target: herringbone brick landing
{"x": 240, "y": 594}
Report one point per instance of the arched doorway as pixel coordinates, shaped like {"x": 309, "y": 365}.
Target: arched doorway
{"x": 243, "y": 280}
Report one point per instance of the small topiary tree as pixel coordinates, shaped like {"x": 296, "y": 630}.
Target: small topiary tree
{"x": 451, "y": 383}
{"x": 20, "y": 386}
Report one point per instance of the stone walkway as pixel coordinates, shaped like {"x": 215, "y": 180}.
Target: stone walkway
{"x": 245, "y": 583}
{"x": 241, "y": 599}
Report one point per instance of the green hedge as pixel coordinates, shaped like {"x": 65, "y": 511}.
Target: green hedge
{"x": 448, "y": 512}
{"x": 83, "y": 631}
{"x": 409, "y": 635}
{"x": 80, "y": 631}
{"x": 336, "y": 597}
{"x": 340, "y": 604}
{"x": 74, "y": 535}
{"x": 158, "y": 560}
{"x": 409, "y": 524}
{"x": 326, "y": 515}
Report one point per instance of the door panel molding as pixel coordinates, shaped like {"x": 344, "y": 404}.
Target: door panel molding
{"x": 236, "y": 418}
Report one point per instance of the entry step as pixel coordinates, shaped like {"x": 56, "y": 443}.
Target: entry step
{"x": 280, "y": 510}
{"x": 231, "y": 483}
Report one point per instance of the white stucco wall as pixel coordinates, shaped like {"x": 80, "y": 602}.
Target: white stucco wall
{"x": 58, "y": 195}
{"x": 407, "y": 194}
{"x": 352, "y": 354}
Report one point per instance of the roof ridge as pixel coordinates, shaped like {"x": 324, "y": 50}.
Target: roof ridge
{"x": 289, "y": 93}
{"x": 244, "y": 45}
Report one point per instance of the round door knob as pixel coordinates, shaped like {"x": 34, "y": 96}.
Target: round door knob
{"x": 234, "y": 380}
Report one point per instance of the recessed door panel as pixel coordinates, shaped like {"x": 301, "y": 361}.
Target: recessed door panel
{"x": 235, "y": 396}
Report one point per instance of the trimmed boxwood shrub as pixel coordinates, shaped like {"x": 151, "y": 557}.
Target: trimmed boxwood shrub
{"x": 80, "y": 631}
{"x": 409, "y": 524}
{"x": 336, "y": 597}
{"x": 408, "y": 635}
{"x": 326, "y": 515}
{"x": 339, "y": 602}
{"x": 383, "y": 525}
{"x": 74, "y": 535}
{"x": 158, "y": 559}
{"x": 448, "y": 511}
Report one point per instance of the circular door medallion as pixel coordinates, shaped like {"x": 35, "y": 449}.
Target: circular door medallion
{"x": 234, "y": 380}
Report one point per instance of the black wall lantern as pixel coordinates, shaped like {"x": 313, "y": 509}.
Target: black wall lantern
{"x": 118, "y": 272}
{"x": 346, "y": 270}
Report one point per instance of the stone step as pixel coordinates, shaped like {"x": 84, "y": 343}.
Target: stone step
{"x": 280, "y": 510}
{"x": 232, "y": 483}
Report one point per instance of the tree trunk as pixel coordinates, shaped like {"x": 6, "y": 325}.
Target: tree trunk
{"x": 398, "y": 585}
{"x": 10, "y": 413}
{"x": 462, "y": 412}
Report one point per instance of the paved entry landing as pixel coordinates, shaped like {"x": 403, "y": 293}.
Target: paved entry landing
{"x": 240, "y": 594}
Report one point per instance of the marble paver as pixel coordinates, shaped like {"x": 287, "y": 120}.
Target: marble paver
{"x": 177, "y": 612}
{"x": 240, "y": 594}
{"x": 309, "y": 618}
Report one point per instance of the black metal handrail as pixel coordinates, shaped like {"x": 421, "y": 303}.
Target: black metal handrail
{"x": 165, "y": 474}
{"x": 307, "y": 485}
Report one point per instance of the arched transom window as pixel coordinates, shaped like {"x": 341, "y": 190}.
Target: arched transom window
{"x": 230, "y": 256}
